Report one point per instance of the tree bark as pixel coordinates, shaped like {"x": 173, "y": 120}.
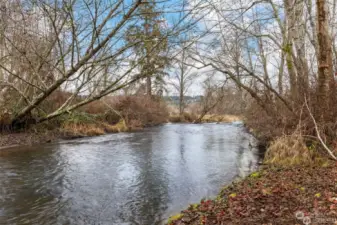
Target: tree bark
{"x": 148, "y": 86}
{"x": 299, "y": 41}
{"x": 325, "y": 72}
{"x": 288, "y": 48}
{"x": 181, "y": 102}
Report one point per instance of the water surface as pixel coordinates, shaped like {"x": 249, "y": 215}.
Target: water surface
{"x": 125, "y": 178}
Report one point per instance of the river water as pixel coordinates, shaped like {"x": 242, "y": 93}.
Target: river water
{"x": 125, "y": 178}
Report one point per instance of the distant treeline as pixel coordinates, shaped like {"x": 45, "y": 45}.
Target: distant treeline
{"x": 188, "y": 99}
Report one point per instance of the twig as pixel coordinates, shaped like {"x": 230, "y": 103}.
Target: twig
{"x": 318, "y": 134}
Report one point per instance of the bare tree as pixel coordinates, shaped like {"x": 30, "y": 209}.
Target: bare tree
{"x": 72, "y": 46}
{"x": 213, "y": 95}
{"x": 183, "y": 76}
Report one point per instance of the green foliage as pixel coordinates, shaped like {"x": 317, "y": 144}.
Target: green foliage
{"x": 233, "y": 195}
{"x": 79, "y": 118}
{"x": 312, "y": 147}
{"x": 150, "y": 42}
{"x": 255, "y": 175}
{"x": 289, "y": 64}
{"x": 287, "y": 48}
{"x": 174, "y": 218}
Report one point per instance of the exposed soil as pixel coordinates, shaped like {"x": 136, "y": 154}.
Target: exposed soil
{"x": 297, "y": 195}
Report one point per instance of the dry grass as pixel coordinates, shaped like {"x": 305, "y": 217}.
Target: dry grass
{"x": 188, "y": 117}
{"x": 176, "y": 119}
{"x": 221, "y": 118}
{"x": 78, "y": 129}
{"x": 291, "y": 150}
{"x": 185, "y": 118}
{"x": 119, "y": 127}
{"x": 93, "y": 129}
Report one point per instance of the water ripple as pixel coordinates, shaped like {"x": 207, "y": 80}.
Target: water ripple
{"x": 127, "y": 178}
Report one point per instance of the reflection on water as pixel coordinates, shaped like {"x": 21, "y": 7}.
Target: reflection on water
{"x": 126, "y": 178}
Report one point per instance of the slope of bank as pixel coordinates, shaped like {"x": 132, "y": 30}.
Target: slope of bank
{"x": 70, "y": 130}
{"x": 294, "y": 195}
{"x": 126, "y": 113}
{"x": 87, "y": 125}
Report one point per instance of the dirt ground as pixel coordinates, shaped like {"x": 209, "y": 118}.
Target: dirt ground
{"x": 297, "y": 195}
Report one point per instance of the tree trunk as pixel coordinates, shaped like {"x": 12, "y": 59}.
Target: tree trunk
{"x": 299, "y": 41}
{"x": 181, "y": 101}
{"x": 148, "y": 86}
{"x": 325, "y": 72}
{"x": 280, "y": 74}
{"x": 288, "y": 48}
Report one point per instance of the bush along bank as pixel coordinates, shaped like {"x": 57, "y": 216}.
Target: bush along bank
{"x": 115, "y": 114}
{"x": 209, "y": 118}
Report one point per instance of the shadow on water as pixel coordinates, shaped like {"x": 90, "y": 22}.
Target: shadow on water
{"x": 126, "y": 178}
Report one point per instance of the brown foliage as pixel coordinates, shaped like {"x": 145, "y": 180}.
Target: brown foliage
{"x": 271, "y": 196}
{"x": 56, "y": 100}
{"x": 5, "y": 122}
{"x": 78, "y": 129}
{"x": 146, "y": 111}
{"x": 96, "y": 107}
{"x": 185, "y": 118}
{"x": 268, "y": 126}
{"x": 276, "y": 124}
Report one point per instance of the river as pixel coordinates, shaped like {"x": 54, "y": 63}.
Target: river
{"x": 125, "y": 178}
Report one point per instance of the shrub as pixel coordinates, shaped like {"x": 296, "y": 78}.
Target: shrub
{"x": 119, "y": 127}
{"x": 5, "y": 121}
{"x": 291, "y": 150}
{"x": 221, "y": 118}
{"x": 175, "y": 119}
{"x": 189, "y": 117}
{"x": 56, "y": 100}
{"x": 186, "y": 117}
{"x": 77, "y": 129}
{"x": 141, "y": 110}
{"x": 96, "y": 107}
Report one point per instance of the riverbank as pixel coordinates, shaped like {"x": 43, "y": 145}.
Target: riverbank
{"x": 38, "y": 135}
{"x": 84, "y": 127}
{"x": 293, "y": 195}
{"x": 296, "y": 184}
{"x": 209, "y": 118}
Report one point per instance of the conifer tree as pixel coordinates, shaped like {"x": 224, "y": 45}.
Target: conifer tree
{"x": 152, "y": 44}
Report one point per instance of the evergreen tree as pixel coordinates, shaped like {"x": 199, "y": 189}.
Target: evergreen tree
{"x": 152, "y": 44}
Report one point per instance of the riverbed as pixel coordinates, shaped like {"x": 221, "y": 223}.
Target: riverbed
{"x": 125, "y": 178}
